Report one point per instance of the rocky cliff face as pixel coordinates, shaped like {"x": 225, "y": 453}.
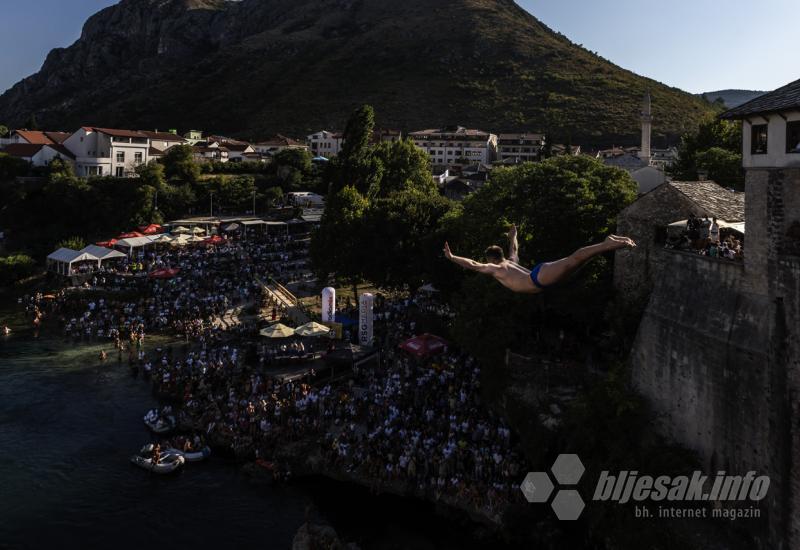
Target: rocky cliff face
{"x": 255, "y": 67}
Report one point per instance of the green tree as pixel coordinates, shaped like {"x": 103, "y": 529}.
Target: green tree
{"x": 12, "y": 167}
{"x": 179, "y": 164}
{"x": 559, "y": 205}
{"x": 152, "y": 174}
{"x": 74, "y": 243}
{"x": 713, "y": 133}
{"x": 32, "y": 123}
{"x": 405, "y": 167}
{"x": 272, "y": 195}
{"x": 60, "y": 169}
{"x": 3, "y": 130}
{"x": 722, "y": 166}
{"x": 400, "y": 237}
{"x": 15, "y": 268}
{"x": 293, "y": 168}
{"x": 356, "y": 164}
{"x": 335, "y": 246}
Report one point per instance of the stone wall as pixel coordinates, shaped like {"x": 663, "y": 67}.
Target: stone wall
{"x": 635, "y": 270}
{"x": 700, "y": 358}
{"x": 718, "y": 352}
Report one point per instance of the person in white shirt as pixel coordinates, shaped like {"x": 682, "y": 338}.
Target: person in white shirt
{"x": 713, "y": 231}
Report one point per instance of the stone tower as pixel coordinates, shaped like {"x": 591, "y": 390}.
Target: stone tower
{"x": 647, "y": 127}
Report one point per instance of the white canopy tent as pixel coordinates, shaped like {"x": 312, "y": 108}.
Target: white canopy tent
{"x": 62, "y": 260}
{"x": 134, "y": 242}
{"x": 279, "y": 226}
{"x": 101, "y": 253}
{"x": 735, "y": 226}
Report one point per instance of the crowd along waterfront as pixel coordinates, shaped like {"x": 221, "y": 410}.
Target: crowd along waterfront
{"x": 69, "y": 425}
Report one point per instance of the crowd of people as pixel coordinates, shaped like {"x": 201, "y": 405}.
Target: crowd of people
{"x": 704, "y": 236}
{"x": 418, "y": 424}
{"x": 116, "y": 304}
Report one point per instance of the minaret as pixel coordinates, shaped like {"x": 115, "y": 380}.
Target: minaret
{"x": 647, "y": 126}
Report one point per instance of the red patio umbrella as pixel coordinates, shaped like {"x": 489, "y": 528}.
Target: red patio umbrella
{"x": 164, "y": 273}
{"x": 151, "y": 229}
{"x": 107, "y": 244}
{"x": 131, "y": 235}
{"x": 424, "y": 345}
{"x": 215, "y": 239}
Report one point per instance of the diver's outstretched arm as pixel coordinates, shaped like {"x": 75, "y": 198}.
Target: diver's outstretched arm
{"x": 513, "y": 245}
{"x": 467, "y": 263}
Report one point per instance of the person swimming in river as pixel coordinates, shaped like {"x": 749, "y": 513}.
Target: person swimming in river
{"x": 544, "y": 275}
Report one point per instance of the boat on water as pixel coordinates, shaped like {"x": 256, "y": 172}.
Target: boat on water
{"x": 167, "y": 463}
{"x": 192, "y": 456}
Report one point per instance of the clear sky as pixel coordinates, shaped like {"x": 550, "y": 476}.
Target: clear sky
{"x": 696, "y": 45}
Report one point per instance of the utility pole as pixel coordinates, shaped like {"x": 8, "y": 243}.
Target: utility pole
{"x": 211, "y": 194}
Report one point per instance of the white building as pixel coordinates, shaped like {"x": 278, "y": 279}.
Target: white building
{"x": 325, "y": 144}
{"x": 39, "y": 154}
{"x": 520, "y": 147}
{"x": 238, "y": 151}
{"x": 211, "y": 151}
{"x": 108, "y": 152}
{"x": 162, "y": 141}
{"x": 771, "y": 128}
{"x": 456, "y": 146}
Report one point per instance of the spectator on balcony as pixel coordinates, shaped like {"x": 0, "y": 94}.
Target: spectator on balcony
{"x": 713, "y": 231}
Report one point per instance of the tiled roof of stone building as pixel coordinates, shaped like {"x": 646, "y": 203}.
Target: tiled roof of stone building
{"x": 782, "y": 99}
{"x": 713, "y": 199}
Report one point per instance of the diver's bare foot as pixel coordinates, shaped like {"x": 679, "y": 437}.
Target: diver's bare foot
{"x": 615, "y": 242}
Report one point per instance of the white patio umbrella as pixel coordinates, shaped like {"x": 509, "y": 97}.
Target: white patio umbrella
{"x": 278, "y": 331}
{"x": 181, "y": 230}
{"x": 312, "y": 329}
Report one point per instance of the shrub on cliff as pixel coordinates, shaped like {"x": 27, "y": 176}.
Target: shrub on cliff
{"x": 15, "y": 268}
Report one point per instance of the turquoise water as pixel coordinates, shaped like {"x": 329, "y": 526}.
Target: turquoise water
{"x": 68, "y": 426}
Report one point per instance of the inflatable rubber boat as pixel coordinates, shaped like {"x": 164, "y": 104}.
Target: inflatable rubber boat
{"x": 192, "y": 456}
{"x": 168, "y": 463}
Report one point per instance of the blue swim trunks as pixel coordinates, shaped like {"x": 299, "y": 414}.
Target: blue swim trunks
{"x": 535, "y": 276}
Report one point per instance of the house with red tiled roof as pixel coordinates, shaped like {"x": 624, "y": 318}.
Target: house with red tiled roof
{"x": 277, "y": 144}
{"x": 33, "y": 137}
{"x": 39, "y": 154}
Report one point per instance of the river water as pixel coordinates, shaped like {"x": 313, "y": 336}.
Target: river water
{"x": 68, "y": 426}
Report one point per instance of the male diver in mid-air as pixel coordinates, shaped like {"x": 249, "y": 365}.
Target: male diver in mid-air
{"x": 515, "y": 277}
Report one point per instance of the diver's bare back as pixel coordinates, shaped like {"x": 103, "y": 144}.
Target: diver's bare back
{"x": 514, "y": 277}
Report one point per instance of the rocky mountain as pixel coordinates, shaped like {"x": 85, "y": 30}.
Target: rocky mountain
{"x": 251, "y": 68}
{"x": 731, "y": 98}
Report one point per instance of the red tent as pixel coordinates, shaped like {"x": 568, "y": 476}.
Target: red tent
{"x": 164, "y": 273}
{"x": 424, "y": 345}
{"x": 131, "y": 235}
{"x": 152, "y": 229}
{"x": 215, "y": 239}
{"x": 108, "y": 244}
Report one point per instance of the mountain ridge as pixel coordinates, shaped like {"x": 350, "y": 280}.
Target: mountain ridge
{"x": 732, "y": 97}
{"x": 259, "y": 67}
